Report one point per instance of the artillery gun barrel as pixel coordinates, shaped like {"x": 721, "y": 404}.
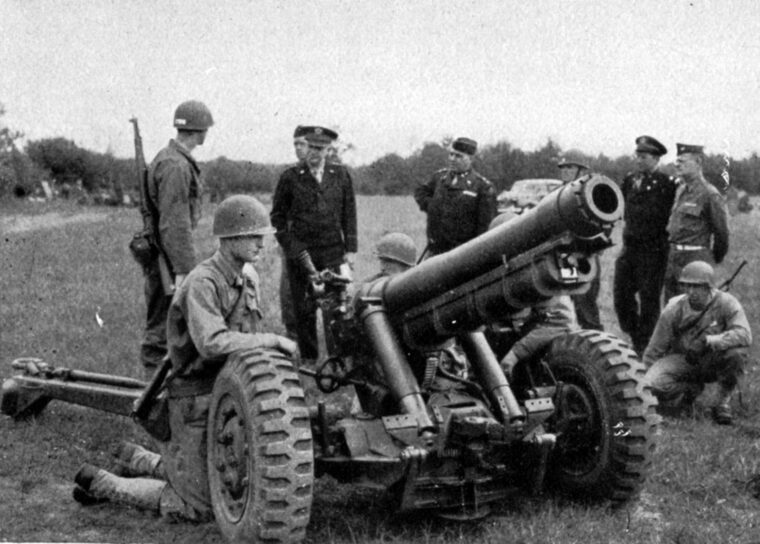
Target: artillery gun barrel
{"x": 586, "y": 208}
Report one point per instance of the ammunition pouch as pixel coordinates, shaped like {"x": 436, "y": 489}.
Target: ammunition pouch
{"x": 156, "y": 424}
{"x": 143, "y": 249}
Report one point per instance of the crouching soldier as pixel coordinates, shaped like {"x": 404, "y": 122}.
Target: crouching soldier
{"x": 701, "y": 337}
{"x": 214, "y": 313}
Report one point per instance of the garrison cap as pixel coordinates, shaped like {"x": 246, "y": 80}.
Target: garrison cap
{"x": 320, "y": 136}
{"x": 647, "y": 144}
{"x": 465, "y": 145}
{"x": 688, "y": 148}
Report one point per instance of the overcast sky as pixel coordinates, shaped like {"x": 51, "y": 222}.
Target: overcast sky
{"x": 388, "y": 75}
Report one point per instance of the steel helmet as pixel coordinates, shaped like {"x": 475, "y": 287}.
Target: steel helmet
{"x": 241, "y": 215}
{"x": 572, "y": 157}
{"x": 397, "y": 246}
{"x": 697, "y": 273}
{"x": 501, "y": 218}
{"x": 193, "y": 115}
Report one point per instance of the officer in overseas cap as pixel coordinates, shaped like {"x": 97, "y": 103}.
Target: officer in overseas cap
{"x": 465, "y": 145}
{"x": 647, "y": 144}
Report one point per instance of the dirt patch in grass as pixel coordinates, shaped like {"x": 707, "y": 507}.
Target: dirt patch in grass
{"x": 50, "y": 220}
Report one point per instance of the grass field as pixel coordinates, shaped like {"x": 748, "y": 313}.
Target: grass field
{"x": 58, "y": 273}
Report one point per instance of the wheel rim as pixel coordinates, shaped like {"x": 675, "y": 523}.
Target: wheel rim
{"x": 231, "y": 457}
{"x": 582, "y": 435}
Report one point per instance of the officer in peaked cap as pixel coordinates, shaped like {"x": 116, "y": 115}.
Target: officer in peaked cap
{"x": 640, "y": 268}
{"x": 458, "y": 201}
{"x": 173, "y": 202}
{"x": 314, "y": 212}
{"x": 698, "y": 223}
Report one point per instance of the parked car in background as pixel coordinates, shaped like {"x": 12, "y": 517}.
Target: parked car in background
{"x": 525, "y": 194}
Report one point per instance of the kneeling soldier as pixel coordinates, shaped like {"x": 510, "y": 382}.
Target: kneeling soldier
{"x": 214, "y": 313}
{"x": 701, "y": 337}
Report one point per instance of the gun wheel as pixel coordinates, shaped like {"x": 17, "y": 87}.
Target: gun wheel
{"x": 260, "y": 457}
{"x": 605, "y": 419}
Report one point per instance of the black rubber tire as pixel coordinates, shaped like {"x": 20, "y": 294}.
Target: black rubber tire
{"x": 260, "y": 454}
{"x": 606, "y": 426}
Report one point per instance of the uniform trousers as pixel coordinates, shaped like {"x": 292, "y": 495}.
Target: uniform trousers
{"x": 677, "y": 374}
{"x": 153, "y": 347}
{"x": 586, "y": 307}
{"x": 639, "y": 270}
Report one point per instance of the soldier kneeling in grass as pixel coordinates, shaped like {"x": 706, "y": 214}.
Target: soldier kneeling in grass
{"x": 214, "y": 313}
{"x": 701, "y": 337}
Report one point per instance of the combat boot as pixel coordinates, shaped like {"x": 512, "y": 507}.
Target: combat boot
{"x": 133, "y": 460}
{"x": 721, "y": 412}
{"x": 96, "y": 485}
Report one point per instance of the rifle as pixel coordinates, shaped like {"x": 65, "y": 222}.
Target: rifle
{"x": 144, "y": 245}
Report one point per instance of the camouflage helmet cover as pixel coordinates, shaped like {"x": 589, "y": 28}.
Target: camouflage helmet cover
{"x": 241, "y": 215}
{"x": 397, "y": 246}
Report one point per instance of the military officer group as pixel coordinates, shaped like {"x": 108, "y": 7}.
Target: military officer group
{"x": 675, "y": 231}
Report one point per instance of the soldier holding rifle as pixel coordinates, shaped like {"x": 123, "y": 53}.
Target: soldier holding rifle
{"x": 173, "y": 201}
{"x": 701, "y": 337}
{"x": 214, "y": 313}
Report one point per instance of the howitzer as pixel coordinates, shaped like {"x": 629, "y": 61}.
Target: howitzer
{"x": 438, "y": 424}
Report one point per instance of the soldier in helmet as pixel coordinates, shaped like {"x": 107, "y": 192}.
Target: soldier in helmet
{"x": 215, "y": 312}
{"x": 458, "y": 201}
{"x": 174, "y": 201}
{"x": 698, "y": 224}
{"x": 572, "y": 166}
{"x": 640, "y": 267}
{"x": 701, "y": 337}
{"x": 314, "y": 212}
{"x": 396, "y": 253}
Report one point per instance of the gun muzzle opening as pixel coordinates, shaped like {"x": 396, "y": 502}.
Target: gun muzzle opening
{"x": 604, "y": 200}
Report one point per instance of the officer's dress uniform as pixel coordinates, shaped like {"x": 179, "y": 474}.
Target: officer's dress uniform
{"x": 215, "y": 312}
{"x": 174, "y": 189}
{"x": 319, "y": 217}
{"x": 677, "y": 356}
{"x": 459, "y": 207}
{"x": 699, "y": 214}
{"x": 640, "y": 267}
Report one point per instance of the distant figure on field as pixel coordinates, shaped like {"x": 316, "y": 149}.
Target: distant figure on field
{"x": 214, "y": 313}
{"x": 458, "y": 201}
{"x": 698, "y": 225}
{"x": 701, "y": 337}
{"x": 640, "y": 267}
{"x": 174, "y": 199}
{"x": 314, "y": 212}
{"x": 572, "y": 166}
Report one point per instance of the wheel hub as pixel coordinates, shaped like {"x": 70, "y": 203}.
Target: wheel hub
{"x": 231, "y": 456}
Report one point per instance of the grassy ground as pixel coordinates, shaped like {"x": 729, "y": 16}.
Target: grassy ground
{"x": 57, "y": 276}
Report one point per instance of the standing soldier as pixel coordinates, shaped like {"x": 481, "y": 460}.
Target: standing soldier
{"x": 459, "y": 202}
{"x": 301, "y": 147}
{"x": 314, "y": 212}
{"x": 214, "y": 313}
{"x": 572, "y": 166}
{"x": 640, "y": 267}
{"x": 174, "y": 202}
{"x": 698, "y": 225}
{"x": 702, "y": 336}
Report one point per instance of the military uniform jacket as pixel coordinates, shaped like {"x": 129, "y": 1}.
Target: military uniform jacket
{"x": 174, "y": 189}
{"x": 459, "y": 207}
{"x": 648, "y": 200}
{"x": 699, "y": 212}
{"x": 308, "y": 214}
{"x": 212, "y": 314}
{"x": 678, "y": 332}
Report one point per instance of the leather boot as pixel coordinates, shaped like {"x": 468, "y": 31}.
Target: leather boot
{"x": 134, "y": 460}
{"x": 99, "y": 484}
{"x": 721, "y": 412}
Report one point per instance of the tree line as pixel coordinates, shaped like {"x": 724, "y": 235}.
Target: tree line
{"x": 74, "y": 171}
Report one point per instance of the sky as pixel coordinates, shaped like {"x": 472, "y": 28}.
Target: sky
{"x": 388, "y": 75}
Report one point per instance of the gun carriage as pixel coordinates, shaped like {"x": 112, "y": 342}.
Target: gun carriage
{"x": 577, "y": 416}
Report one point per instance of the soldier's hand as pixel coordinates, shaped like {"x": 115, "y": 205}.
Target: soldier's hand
{"x": 351, "y": 259}
{"x": 508, "y": 364}
{"x": 280, "y": 343}
{"x": 712, "y": 340}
